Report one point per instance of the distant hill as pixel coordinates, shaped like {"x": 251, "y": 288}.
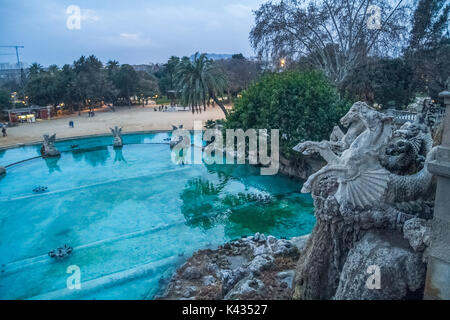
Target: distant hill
{"x": 215, "y": 56}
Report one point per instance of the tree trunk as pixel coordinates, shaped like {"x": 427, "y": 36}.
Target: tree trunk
{"x": 220, "y": 104}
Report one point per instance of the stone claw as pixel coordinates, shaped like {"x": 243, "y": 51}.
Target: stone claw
{"x": 302, "y": 147}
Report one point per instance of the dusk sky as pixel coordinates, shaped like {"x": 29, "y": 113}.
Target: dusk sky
{"x": 133, "y": 31}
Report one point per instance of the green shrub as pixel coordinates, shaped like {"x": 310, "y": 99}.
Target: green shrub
{"x": 302, "y": 105}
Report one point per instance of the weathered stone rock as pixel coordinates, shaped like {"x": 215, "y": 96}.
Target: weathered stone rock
{"x": 192, "y": 273}
{"x": 189, "y": 291}
{"x": 402, "y": 271}
{"x": 286, "y": 277}
{"x": 262, "y": 238}
{"x": 246, "y": 287}
{"x": 248, "y": 268}
{"x": 260, "y": 263}
{"x": 231, "y": 278}
{"x": 300, "y": 242}
{"x": 418, "y": 232}
{"x": 208, "y": 280}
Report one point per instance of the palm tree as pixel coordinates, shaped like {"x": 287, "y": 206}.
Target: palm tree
{"x": 199, "y": 81}
{"x": 34, "y": 69}
{"x": 112, "y": 65}
{"x": 53, "y": 69}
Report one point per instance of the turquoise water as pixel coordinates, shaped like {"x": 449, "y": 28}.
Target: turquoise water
{"x": 131, "y": 215}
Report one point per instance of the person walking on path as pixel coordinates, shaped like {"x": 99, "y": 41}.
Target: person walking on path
{"x": 4, "y": 132}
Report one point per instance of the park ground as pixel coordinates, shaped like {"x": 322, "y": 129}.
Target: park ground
{"x": 131, "y": 119}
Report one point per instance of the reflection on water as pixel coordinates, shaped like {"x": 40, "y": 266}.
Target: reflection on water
{"x": 52, "y": 164}
{"x": 94, "y": 156}
{"x": 201, "y": 203}
{"x": 245, "y": 203}
{"x": 118, "y": 157}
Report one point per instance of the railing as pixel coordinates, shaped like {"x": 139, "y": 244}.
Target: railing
{"x": 401, "y": 116}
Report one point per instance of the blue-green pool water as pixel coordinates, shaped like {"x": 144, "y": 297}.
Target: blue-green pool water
{"x": 131, "y": 215}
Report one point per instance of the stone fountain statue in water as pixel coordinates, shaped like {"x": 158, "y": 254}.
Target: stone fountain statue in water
{"x": 48, "y": 148}
{"x": 117, "y": 133}
{"x": 371, "y": 209}
{"x": 61, "y": 252}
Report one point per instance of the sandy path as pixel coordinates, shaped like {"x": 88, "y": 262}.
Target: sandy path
{"x": 134, "y": 119}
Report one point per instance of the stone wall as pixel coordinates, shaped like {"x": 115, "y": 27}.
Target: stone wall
{"x": 438, "y": 273}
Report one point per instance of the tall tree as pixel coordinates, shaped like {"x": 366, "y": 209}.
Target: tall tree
{"x": 333, "y": 34}
{"x": 112, "y": 65}
{"x": 147, "y": 85}
{"x": 126, "y": 80}
{"x": 384, "y": 81}
{"x": 240, "y": 72}
{"x": 90, "y": 83}
{"x": 429, "y": 46}
{"x": 34, "y": 69}
{"x": 430, "y": 24}
{"x": 199, "y": 81}
{"x": 44, "y": 87}
{"x": 5, "y": 100}
{"x": 166, "y": 75}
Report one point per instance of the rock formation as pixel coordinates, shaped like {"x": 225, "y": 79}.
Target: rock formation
{"x": 402, "y": 270}
{"x": 117, "y": 133}
{"x": 371, "y": 209}
{"x": 256, "y": 267}
{"x": 48, "y": 148}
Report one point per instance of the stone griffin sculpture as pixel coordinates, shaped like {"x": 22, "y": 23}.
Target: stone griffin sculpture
{"x": 48, "y": 148}
{"x": 363, "y": 181}
{"x": 367, "y": 186}
{"x": 408, "y": 147}
{"x": 117, "y": 133}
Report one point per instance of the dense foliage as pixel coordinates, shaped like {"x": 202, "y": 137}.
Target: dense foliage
{"x": 5, "y": 101}
{"x": 303, "y": 105}
{"x": 233, "y": 75}
{"x": 428, "y": 51}
{"x": 86, "y": 83}
{"x": 386, "y": 82}
{"x": 166, "y": 76}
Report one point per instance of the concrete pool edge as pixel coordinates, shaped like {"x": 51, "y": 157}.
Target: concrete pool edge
{"x": 97, "y": 135}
